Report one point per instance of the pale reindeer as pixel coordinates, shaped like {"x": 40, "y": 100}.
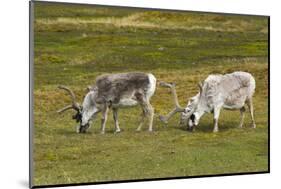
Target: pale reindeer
{"x": 230, "y": 91}
{"x": 114, "y": 91}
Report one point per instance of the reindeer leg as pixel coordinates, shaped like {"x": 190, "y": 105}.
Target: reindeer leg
{"x": 242, "y": 115}
{"x": 148, "y": 112}
{"x": 216, "y": 119}
{"x": 142, "y": 101}
{"x": 251, "y": 108}
{"x": 151, "y": 115}
{"x": 143, "y": 115}
{"x": 104, "y": 119}
{"x": 115, "y": 117}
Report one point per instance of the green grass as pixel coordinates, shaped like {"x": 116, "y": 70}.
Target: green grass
{"x": 74, "y": 44}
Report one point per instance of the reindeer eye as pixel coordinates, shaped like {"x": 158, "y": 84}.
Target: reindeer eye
{"x": 187, "y": 110}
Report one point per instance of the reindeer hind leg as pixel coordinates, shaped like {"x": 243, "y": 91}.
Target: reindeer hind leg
{"x": 142, "y": 119}
{"x": 141, "y": 100}
{"x": 148, "y": 112}
{"x": 251, "y": 108}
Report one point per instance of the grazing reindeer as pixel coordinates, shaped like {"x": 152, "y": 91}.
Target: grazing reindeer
{"x": 229, "y": 91}
{"x": 114, "y": 91}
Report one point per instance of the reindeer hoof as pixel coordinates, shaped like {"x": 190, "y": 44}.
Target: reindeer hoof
{"x": 254, "y": 126}
{"x": 117, "y": 131}
{"x": 102, "y": 132}
{"x": 215, "y": 130}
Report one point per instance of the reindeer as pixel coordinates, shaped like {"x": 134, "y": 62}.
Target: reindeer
{"x": 114, "y": 91}
{"x": 230, "y": 91}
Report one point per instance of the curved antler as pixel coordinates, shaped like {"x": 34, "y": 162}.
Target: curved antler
{"x": 75, "y": 105}
{"x": 177, "y": 108}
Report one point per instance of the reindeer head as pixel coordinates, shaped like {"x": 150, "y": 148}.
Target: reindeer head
{"x": 189, "y": 116}
{"x": 191, "y": 120}
{"x": 187, "y": 119}
{"x": 79, "y": 116}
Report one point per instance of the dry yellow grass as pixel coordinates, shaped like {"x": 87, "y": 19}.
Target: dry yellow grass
{"x": 136, "y": 20}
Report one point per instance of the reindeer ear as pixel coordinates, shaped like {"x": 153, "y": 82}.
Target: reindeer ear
{"x": 191, "y": 99}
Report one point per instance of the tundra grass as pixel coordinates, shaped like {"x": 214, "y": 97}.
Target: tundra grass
{"x": 74, "y": 44}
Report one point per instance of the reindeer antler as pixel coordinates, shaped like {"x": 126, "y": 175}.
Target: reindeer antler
{"x": 177, "y": 108}
{"x": 75, "y": 105}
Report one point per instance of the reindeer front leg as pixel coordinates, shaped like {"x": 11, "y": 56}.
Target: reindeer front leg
{"x": 242, "y": 115}
{"x": 151, "y": 115}
{"x": 115, "y": 117}
{"x": 216, "y": 119}
{"x": 104, "y": 119}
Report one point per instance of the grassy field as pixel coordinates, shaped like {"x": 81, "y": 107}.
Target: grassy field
{"x": 74, "y": 44}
